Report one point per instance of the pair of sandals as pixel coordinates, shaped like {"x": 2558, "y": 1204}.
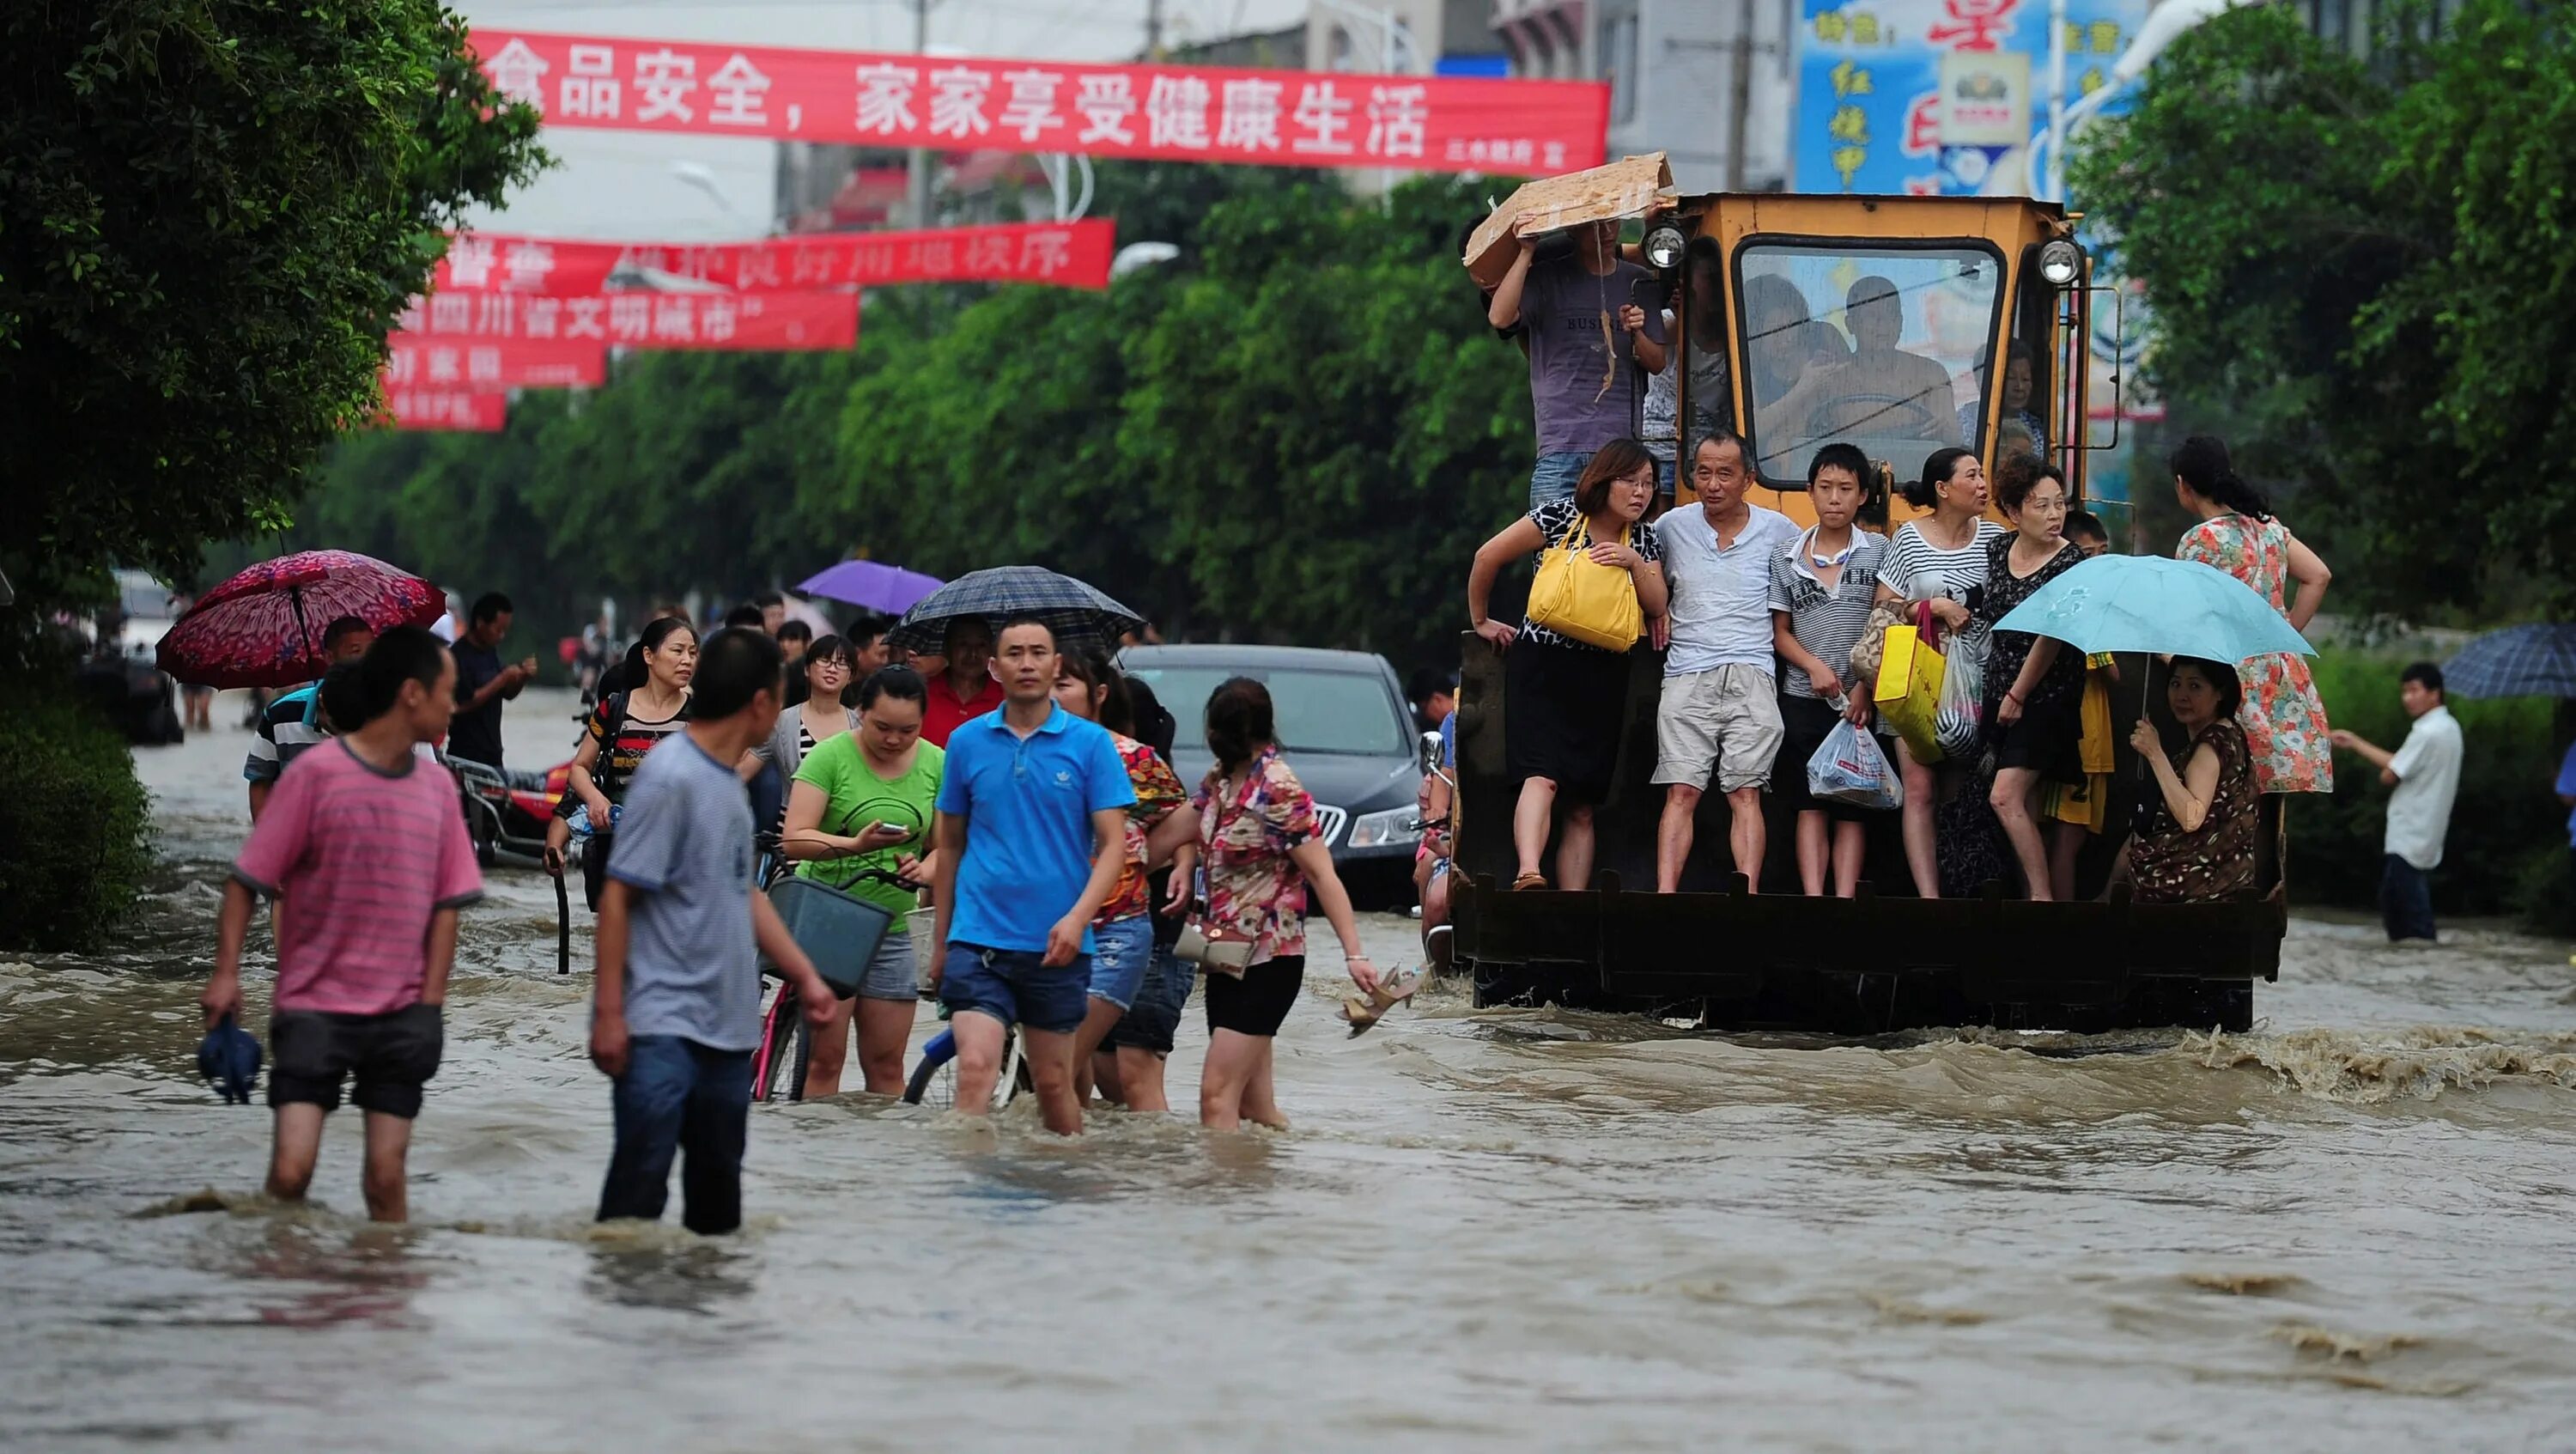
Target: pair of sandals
{"x": 1364, "y": 1010}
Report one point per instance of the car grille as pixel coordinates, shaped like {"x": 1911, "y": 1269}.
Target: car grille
{"x": 1331, "y": 821}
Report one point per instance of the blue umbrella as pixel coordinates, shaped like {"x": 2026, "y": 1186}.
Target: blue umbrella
{"x": 2519, "y": 661}
{"x": 2149, "y": 603}
{"x": 229, "y": 1060}
{"x": 885, "y": 589}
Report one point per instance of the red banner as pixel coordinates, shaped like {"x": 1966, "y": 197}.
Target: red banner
{"x": 745, "y": 322}
{"x": 1163, "y": 112}
{"x": 1063, "y": 254}
{"x": 460, "y": 364}
{"x": 445, "y": 409}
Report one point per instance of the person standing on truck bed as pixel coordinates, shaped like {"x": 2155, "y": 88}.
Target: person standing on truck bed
{"x": 1720, "y": 715}
{"x": 1589, "y": 334}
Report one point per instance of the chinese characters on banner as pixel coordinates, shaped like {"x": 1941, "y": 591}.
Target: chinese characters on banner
{"x": 491, "y": 365}
{"x": 1163, "y": 112}
{"x": 1939, "y": 97}
{"x": 1062, "y": 254}
{"x": 747, "y": 322}
{"x": 445, "y": 409}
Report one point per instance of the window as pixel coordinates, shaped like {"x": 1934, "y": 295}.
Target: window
{"x": 1882, "y": 347}
{"x": 1313, "y": 711}
{"x": 1619, "y": 65}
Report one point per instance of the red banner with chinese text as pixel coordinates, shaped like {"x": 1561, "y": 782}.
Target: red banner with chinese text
{"x": 445, "y": 409}
{"x": 414, "y": 361}
{"x": 743, "y": 322}
{"x": 1167, "y": 112}
{"x": 1060, "y": 254}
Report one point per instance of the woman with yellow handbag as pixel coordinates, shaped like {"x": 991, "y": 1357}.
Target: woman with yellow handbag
{"x": 1565, "y": 672}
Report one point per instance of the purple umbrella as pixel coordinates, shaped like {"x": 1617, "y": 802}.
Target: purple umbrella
{"x": 885, "y": 589}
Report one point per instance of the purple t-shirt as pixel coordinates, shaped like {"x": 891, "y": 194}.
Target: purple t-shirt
{"x": 1561, "y": 304}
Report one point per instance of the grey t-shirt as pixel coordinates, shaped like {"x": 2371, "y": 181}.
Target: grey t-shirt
{"x": 684, "y": 846}
{"x": 1561, "y": 303}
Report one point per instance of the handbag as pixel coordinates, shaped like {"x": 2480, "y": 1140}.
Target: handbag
{"x": 1908, "y": 690}
{"x": 1216, "y": 948}
{"x": 1960, "y": 722}
{"x": 1583, "y": 600}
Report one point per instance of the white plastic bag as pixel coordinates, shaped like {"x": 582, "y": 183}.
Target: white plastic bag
{"x": 1960, "y": 723}
{"x": 1851, "y": 768}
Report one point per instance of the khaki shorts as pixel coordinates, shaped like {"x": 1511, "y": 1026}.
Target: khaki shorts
{"x": 1723, "y": 723}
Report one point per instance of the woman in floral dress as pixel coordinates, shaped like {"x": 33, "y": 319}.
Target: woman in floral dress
{"x": 1261, "y": 846}
{"x": 2285, "y": 724}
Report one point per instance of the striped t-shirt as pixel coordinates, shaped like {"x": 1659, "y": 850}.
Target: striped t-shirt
{"x": 624, "y": 740}
{"x": 287, "y": 726}
{"x": 1826, "y": 622}
{"x": 359, "y": 859}
{"x": 1918, "y": 570}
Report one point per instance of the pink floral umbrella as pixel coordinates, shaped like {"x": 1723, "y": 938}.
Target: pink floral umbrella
{"x": 263, "y": 628}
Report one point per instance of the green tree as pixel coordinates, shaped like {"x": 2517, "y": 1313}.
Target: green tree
{"x": 211, "y": 212}
{"x": 2364, "y": 273}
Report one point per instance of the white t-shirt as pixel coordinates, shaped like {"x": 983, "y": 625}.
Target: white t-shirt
{"x": 1721, "y": 606}
{"x": 2427, "y": 765}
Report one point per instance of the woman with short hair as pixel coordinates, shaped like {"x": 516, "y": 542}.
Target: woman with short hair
{"x": 820, "y": 716}
{"x": 1261, "y": 847}
{"x": 2034, "y": 688}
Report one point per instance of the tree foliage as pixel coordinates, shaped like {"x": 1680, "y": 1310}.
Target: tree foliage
{"x": 211, "y": 212}
{"x": 2364, "y": 271}
{"x": 1299, "y": 432}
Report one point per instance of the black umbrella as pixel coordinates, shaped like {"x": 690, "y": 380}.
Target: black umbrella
{"x": 1079, "y": 615}
{"x": 2519, "y": 661}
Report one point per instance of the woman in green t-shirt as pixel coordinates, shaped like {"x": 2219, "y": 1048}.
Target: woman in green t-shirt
{"x": 858, "y": 815}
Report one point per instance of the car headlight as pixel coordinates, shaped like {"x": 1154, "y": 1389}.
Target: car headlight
{"x": 1377, "y": 830}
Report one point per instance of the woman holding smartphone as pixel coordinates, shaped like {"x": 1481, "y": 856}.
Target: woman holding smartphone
{"x": 858, "y": 819}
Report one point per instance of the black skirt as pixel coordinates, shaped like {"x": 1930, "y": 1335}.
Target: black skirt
{"x": 1563, "y": 707}
{"x": 2049, "y": 739}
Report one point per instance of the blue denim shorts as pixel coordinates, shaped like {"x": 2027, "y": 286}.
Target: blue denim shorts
{"x": 1151, "y": 1021}
{"x": 1014, "y": 987}
{"x": 1554, "y": 477}
{"x": 1120, "y": 950}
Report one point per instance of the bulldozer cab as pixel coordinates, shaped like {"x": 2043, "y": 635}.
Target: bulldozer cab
{"x": 1902, "y": 325}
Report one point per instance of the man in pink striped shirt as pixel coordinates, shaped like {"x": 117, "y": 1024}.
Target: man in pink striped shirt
{"x": 366, "y": 855}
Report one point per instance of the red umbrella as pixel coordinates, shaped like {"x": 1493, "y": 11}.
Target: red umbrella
{"x": 263, "y": 628}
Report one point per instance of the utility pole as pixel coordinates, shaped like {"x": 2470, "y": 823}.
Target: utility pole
{"x": 1153, "y": 30}
{"x": 917, "y": 166}
{"x": 1741, "y": 112}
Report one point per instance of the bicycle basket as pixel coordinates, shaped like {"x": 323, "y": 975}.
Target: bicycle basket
{"x": 838, "y": 931}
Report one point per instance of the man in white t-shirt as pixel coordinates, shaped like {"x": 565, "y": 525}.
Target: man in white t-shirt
{"x": 2425, "y": 770}
{"x": 1720, "y": 716}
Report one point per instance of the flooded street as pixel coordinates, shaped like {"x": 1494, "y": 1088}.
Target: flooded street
{"x": 2355, "y": 1227}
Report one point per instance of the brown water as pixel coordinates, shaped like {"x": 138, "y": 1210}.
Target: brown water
{"x": 1503, "y": 1229}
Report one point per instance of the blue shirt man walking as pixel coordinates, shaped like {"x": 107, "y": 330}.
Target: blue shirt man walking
{"x": 1032, "y": 833}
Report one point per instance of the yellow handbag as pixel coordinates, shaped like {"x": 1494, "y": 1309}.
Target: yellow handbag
{"x": 1908, "y": 694}
{"x": 1582, "y": 600}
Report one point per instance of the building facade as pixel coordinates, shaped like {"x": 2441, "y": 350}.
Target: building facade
{"x": 1711, "y": 83}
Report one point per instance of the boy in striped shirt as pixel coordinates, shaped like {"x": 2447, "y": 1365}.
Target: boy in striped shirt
{"x": 364, "y": 852}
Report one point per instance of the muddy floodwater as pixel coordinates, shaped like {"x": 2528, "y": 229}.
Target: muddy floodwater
{"x": 2354, "y": 1228}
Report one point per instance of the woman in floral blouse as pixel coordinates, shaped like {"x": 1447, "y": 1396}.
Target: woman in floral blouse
{"x": 2285, "y": 724}
{"x": 1260, "y": 847}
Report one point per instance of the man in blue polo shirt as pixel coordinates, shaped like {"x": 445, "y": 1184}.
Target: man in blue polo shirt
{"x": 1032, "y": 833}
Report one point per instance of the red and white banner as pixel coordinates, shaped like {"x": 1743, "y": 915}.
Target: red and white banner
{"x": 744, "y": 322}
{"x": 445, "y": 409}
{"x": 1062, "y": 254}
{"x": 1163, "y": 112}
{"x": 464, "y": 365}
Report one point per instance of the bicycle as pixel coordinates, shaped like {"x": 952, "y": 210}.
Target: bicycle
{"x": 934, "y": 1081}
{"x": 786, "y": 1050}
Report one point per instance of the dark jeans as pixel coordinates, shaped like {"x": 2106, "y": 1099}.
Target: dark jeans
{"x": 678, "y": 1096}
{"x": 2405, "y": 899}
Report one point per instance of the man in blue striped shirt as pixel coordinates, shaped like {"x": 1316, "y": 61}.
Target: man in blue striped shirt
{"x": 294, "y": 721}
